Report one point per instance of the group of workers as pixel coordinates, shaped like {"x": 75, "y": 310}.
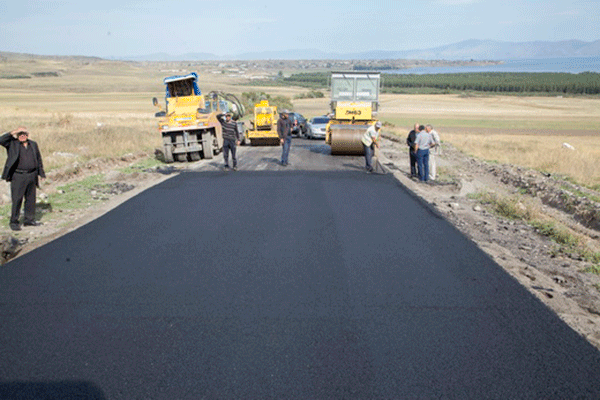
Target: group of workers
{"x": 423, "y": 142}
{"x": 424, "y": 145}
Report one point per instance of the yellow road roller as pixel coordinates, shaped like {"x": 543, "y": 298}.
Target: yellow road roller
{"x": 263, "y": 129}
{"x": 354, "y": 105}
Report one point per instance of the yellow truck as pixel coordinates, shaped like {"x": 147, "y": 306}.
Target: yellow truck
{"x": 263, "y": 129}
{"x": 354, "y": 105}
{"x": 189, "y": 126}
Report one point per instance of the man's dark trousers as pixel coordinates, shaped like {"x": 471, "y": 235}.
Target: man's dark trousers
{"x": 413, "y": 162}
{"x": 22, "y": 186}
{"x": 285, "y": 151}
{"x": 229, "y": 144}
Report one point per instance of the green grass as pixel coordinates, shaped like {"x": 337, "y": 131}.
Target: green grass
{"x": 594, "y": 269}
{"x": 511, "y": 207}
{"x": 579, "y": 193}
{"x": 514, "y": 208}
{"x": 557, "y": 233}
{"x": 77, "y": 195}
{"x": 142, "y": 165}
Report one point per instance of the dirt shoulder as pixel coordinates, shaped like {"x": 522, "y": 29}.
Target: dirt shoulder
{"x": 558, "y": 279}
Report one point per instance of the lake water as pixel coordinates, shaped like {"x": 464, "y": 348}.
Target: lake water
{"x": 572, "y": 65}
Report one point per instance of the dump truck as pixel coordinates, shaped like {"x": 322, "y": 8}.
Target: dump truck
{"x": 263, "y": 128}
{"x": 354, "y": 105}
{"x": 189, "y": 125}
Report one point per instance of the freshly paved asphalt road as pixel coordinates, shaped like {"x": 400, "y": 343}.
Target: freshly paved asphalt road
{"x": 282, "y": 283}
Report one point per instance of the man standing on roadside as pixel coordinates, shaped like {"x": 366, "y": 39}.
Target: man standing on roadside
{"x": 284, "y": 130}
{"x": 22, "y": 169}
{"x": 410, "y": 141}
{"x": 231, "y": 139}
{"x": 434, "y": 151}
{"x": 370, "y": 141}
{"x": 422, "y": 144}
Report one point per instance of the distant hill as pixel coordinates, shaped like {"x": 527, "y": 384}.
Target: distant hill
{"x": 26, "y": 56}
{"x": 465, "y": 50}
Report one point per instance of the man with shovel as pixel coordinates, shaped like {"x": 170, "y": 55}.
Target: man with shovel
{"x": 370, "y": 142}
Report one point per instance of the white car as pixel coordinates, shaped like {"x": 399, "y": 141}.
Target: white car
{"x": 317, "y": 127}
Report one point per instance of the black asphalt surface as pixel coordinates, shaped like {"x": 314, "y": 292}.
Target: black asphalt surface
{"x": 278, "y": 285}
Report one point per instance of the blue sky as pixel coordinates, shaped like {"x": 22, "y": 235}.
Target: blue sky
{"x": 130, "y": 27}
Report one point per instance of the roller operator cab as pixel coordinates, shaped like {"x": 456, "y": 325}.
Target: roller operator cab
{"x": 190, "y": 126}
{"x": 354, "y": 106}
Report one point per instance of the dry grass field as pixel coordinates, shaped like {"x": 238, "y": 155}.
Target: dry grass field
{"x": 97, "y": 108}
{"x": 526, "y": 131}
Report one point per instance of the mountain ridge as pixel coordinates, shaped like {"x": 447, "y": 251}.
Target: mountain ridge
{"x": 472, "y": 49}
{"x": 466, "y": 50}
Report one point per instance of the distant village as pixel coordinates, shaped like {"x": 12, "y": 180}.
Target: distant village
{"x": 266, "y": 69}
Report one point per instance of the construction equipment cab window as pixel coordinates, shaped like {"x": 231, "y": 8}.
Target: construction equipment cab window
{"x": 355, "y": 86}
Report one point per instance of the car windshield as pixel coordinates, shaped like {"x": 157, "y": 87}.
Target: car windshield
{"x": 320, "y": 120}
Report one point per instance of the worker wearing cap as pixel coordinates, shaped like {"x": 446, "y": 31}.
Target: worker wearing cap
{"x": 22, "y": 169}
{"x": 284, "y": 130}
{"x": 370, "y": 141}
{"x": 231, "y": 139}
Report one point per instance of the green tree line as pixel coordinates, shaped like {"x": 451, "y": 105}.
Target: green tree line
{"x": 498, "y": 82}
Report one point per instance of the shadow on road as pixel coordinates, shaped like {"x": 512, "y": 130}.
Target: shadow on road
{"x": 270, "y": 160}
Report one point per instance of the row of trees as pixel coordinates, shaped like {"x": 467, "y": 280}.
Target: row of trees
{"x": 551, "y": 83}
{"x": 499, "y": 82}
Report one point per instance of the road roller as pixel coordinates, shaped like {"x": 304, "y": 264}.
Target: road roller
{"x": 354, "y": 105}
{"x": 263, "y": 129}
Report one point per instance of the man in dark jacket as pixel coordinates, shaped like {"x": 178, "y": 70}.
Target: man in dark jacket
{"x": 284, "y": 130}
{"x": 22, "y": 169}
{"x": 412, "y": 154}
{"x": 231, "y": 139}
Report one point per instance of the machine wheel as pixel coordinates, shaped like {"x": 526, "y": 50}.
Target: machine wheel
{"x": 167, "y": 149}
{"x": 195, "y": 156}
{"x": 168, "y": 153}
{"x": 207, "y": 145}
{"x": 181, "y": 157}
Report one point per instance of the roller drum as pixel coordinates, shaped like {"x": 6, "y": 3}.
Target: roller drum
{"x": 347, "y": 139}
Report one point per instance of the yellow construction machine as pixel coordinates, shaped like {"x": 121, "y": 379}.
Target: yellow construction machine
{"x": 263, "y": 129}
{"x": 189, "y": 127}
{"x": 354, "y": 106}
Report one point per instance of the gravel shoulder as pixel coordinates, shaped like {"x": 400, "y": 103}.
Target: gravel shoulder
{"x": 558, "y": 280}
